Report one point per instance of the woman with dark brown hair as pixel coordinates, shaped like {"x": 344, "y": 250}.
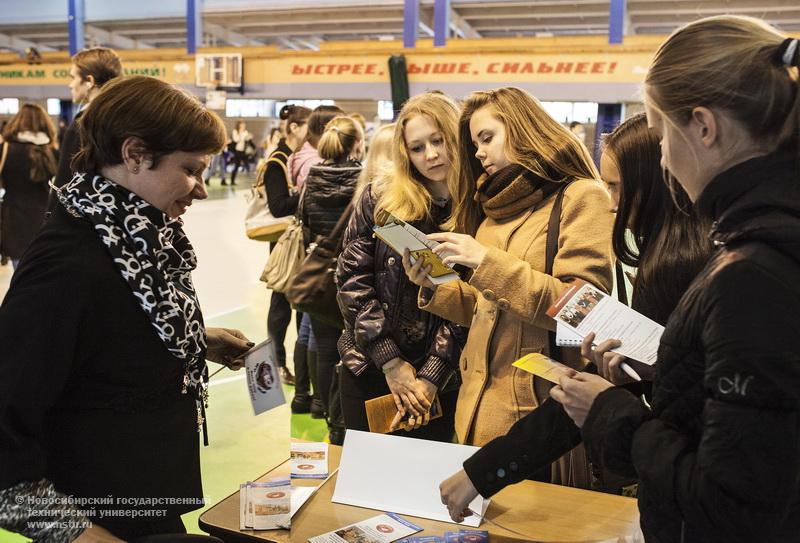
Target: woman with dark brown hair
{"x": 30, "y": 162}
{"x": 104, "y": 384}
{"x": 90, "y": 70}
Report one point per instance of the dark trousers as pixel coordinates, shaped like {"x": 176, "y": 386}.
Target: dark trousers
{"x": 372, "y": 384}
{"x": 327, "y": 358}
{"x": 239, "y": 159}
{"x": 278, "y": 319}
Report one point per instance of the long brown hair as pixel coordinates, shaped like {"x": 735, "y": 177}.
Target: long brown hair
{"x": 668, "y": 242}
{"x": 534, "y": 140}
{"x": 33, "y": 118}
{"x": 731, "y": 63}
{"x": 165, "y": 118}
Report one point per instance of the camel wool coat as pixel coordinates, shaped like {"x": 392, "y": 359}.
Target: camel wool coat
{"x": 505, "y": 300}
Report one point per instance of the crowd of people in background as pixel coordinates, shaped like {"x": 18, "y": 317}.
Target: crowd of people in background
{"x": 698, "y": 197}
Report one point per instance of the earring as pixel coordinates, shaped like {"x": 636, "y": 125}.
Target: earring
{"x": 136, "y": 168}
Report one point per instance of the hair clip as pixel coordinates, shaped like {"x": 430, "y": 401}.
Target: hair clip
{"x": 789, "y": 52}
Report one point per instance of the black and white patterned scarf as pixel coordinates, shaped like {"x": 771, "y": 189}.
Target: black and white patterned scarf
{"x": 155, "y": 258}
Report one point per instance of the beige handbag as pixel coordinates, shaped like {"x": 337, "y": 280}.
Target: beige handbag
{"x": 259, "y": 223}
{"x": 287, "y": 254}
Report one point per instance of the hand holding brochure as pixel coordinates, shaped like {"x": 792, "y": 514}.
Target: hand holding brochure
{"x": 263, "y": 382}
{"x": 382, "y": 410}
{"x": 585, "y": 309}
{"x": 544, "y": 367}
{"x": 401, "y": 236}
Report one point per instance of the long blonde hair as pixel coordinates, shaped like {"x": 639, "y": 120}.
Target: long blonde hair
{"x": 339, "y": 139}
{"x": 534, "y": 140}
{"x": 378, "y": 156}
{"x": 730, "y": 63}
{"x": 402, "y": 192}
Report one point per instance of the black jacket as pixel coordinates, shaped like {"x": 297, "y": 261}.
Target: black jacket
{"x": 379, "y": 304}
{"x": 70, "y": 145}
{"x": 25, "y": 202}
{"x": 718, "y": 457}
{"x": 280, "y": 200}
{"x": 90, "y": 398}
{"x": 329, "y": 189}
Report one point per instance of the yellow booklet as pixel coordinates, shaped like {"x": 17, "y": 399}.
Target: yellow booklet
{"x": 543, "y": 366}
{"x": 382, "y": 410}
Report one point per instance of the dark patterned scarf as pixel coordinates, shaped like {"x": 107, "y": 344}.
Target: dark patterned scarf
{"x": 155, "y": 258}
{"x": 511, "y": 190}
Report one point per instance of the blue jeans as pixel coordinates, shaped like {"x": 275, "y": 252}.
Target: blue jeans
{"x": 306, "y": 334}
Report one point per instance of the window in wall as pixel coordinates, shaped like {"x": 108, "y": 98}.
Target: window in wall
{"x": 585, "y": 112}
{"x": 566, "y": 112}
{"x": 54, "y": 107}
{"x": 9, "y": 106}
{"x": 385, "y": 110}
{"x": 235, "y": 107}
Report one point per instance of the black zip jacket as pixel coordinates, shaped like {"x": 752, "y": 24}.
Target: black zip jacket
{"x": 329, "y": 189}
{"x": 718, "y": 457}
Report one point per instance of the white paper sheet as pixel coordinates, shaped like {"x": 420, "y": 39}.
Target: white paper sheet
{"x": 300, "y": 495}
{"x": 400, "y": 474}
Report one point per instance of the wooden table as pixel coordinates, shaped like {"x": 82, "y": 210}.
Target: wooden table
{"x": 542, "y": 512}
{"x": 222, "y": 520}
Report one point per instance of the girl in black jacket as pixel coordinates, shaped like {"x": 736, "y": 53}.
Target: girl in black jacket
{"x": 327, "y": 194}
{"x": 390, "y": 345}
{"x": 651, "y": 233}
{"x": 30, "y": 162}
{"x": 718, "y": 454}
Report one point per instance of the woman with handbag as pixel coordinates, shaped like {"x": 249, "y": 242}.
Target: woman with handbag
{"x": 29, "y": 160}
{"x": 328, "y": 192}
{"x": 282, "y": 199}
{"x": 389, "y": 345}
{"x": 300, "y": 163}
{"x": 516, "y": 164}
{"x": 668, "y": 246}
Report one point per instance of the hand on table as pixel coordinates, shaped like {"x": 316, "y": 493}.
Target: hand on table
{"x": 226, "y": 346}
{"x": 457, "y": 493}
{"x": 577, "y": 394}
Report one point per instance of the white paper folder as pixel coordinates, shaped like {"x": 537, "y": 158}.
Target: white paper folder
{"x": 401, "y": 475}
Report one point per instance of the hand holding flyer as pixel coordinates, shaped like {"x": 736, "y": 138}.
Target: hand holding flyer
{"x": 263, "y": 382}
{"x": 585, "y": 309}
{"x": 401, "y": 236}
